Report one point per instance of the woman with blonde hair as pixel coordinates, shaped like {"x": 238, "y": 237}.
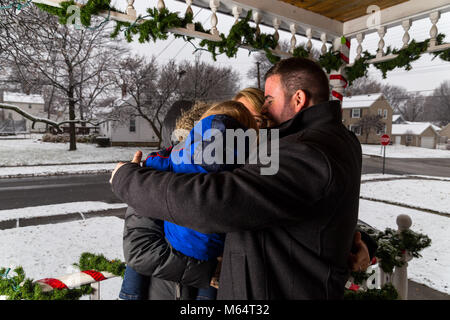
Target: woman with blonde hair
{"x": 167, "y": 261}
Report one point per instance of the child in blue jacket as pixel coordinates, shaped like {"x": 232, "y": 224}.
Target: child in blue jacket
{"x": 187, "y": 157}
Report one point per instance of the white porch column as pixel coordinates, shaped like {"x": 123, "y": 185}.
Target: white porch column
{"x": 400, "y": 277}
{"x": 338, "y": 82}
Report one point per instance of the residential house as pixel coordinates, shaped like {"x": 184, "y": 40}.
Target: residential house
{"x": 135, "y": 131}
{"x": 416, "y": 134}
{"x": 398, "y": 119}
{"x": 30, "y": 103}
{"x": 356, "y": 107}
{"x": 445, "y": 132}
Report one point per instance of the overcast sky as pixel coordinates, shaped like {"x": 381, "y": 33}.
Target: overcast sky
{"x": 425, "y": 76}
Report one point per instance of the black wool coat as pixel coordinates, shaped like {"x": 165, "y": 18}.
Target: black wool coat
{"x": 289, "y": 234}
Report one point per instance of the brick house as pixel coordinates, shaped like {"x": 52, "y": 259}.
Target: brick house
{"x": 356, "y": 107}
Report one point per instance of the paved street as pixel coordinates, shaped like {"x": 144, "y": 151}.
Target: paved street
{"x": 429, "y": 167}
{"x": 30, "y": 192}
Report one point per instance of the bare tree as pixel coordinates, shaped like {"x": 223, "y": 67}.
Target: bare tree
{"x": 370, "y": 122}
{"x": 413, "y": 107}
{"x": 207, "y": 82}
{"x": 150, "y": 90}
{"x": 261, "y": 62}
{"x": 395, "y": 95}
{"x": 77, "y": 64}
{"x": 437, "y": 105}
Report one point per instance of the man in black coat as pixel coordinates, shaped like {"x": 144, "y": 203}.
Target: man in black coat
{"x": 289, "y": 235}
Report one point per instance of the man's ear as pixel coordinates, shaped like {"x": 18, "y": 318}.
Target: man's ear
{"x": 300, "y": 100}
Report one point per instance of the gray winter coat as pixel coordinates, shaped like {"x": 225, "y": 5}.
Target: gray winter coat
{"x": 174, "y": 275}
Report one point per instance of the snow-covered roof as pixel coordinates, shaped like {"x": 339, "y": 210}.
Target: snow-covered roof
{"x": 12, "y": 97}
{"x": 361, "y": 101}
{"x": 395, "y": 117}
{"x": 413, "y": 128}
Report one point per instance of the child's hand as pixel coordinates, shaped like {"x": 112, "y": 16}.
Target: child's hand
{"x": 136, "y": 159}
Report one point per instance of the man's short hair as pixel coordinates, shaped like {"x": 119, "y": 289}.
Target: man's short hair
{"x": 302, "y": 74}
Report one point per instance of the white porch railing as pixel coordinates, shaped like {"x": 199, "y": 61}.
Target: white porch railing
{"x": 399, "y": 278}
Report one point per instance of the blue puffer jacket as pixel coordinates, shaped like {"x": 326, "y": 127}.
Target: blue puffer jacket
{"x": 188, "y": 157}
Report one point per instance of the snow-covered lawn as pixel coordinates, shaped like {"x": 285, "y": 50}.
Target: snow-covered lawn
{"x": 58, "y": 209}
{"x": 432, "y": 269}
{"x": 401, "y": 151}
{"x": 425, "y": 194}
{"x": 33, "y": 152}
{"x": 47, "y": 251}
{"x": 35, "y": 171}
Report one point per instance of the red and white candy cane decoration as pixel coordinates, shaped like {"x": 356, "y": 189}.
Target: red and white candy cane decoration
{"x": 337, "y": 79}
{"x": 73, "y": 280}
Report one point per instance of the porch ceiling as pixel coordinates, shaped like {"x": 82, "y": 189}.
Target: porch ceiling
{"x": 343, "y": 10}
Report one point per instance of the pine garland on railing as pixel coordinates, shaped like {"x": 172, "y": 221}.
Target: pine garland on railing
{"x": 90, "y": 261}
{"x": 387, "y": 292}
{"x": 241, "y": 34}
{"x": 19, "y": 287}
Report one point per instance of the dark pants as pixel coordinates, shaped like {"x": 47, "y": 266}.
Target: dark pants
{"x": 207, "y": 294}
{"x": 134, "y": 285}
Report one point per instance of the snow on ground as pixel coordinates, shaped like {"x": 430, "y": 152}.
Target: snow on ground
{"x": 378, "y": 176}
{"x": 18, "y": 152}
{"x": 58, "y": 209}
{"x": 426, "y": 194}
{"x": 401, "y": 151}
{"x": 34, "y": 171}
{"x": 47, "y": 251}
{"x": 432, "y": 269}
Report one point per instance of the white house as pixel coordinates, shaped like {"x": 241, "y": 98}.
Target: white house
{"x": 30, "y": 103}
{"x": 135, "y": 131}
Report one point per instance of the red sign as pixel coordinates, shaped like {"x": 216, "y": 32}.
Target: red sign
{"x": 385, "y": 139}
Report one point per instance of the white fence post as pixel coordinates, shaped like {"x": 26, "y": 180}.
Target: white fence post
{"x": 95, "y": 295}
{"x": 400, "y": 277}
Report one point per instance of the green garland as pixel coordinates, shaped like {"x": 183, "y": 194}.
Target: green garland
{"x": 242, "y": 34}
{"x": 89, "y": 261}
{"x": 387, "y": 292}
{"x": 29, "y": 290}
{"x": 19, "y": 287}
{"x": 392, "y": 245}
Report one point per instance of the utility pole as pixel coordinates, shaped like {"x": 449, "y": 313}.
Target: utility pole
{"x": 259, "y": 77}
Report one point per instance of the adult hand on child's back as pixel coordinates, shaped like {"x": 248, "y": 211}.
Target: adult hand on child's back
{"x": 136, "y": 159}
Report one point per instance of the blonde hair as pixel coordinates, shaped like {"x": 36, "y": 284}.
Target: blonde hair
{"x": 254, "y": 95}
{"x": 235, "y": 110}
{"x": 186, "y": 121}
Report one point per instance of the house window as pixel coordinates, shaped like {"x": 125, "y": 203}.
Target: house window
{"x": 29, "y": 106}
{"x": 380, "y": 112}
{"x": 356, "y": 130}
{"x": 409, "y": 139}
{"x": 356, "y": 113}
{"x": 133, "y": 125}
{"x": 381, "y": 131}
{"x": 385, "y": 114}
